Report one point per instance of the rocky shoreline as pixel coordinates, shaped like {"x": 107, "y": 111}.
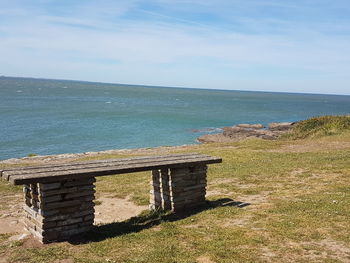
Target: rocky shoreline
{"x": 243, "y": 131}
{"x": 61, "y": 158}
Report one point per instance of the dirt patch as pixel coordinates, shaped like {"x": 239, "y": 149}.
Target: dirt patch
{"x": 231, "y": 181}
{"x": 31, "y": 242}
{"x": 338, "y": 250}
{"x": 254, "y": 200}
{"x": 298, "y": 185}
{"x": 114, "y": 209}
{"x": 11, "y": 214}
{"x": 157, "y": 228}
{"x": 267, "y": 254}
{"x": 312, "y": 146}
{"x": 216, "y": 192}
{"x": 224, "y": 181}
{"x": 10, "y": 225}
{"x": 192, "y": 226}
{"x": 240, "y": 222}
{"x": 324, "y": 249}
{"x": 298, "y": 171}
{"x": 204, "y": 259}
{"x": 64, "y": 261}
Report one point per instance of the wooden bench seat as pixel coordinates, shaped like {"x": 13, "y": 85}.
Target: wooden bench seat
{"x": 59, "y": 198}
{"x": 51, "y": 173}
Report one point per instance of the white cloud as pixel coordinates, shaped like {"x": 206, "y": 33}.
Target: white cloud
{"x": 99, "y": 42}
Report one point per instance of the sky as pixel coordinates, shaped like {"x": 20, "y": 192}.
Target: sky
{"x": 262, "y": 45}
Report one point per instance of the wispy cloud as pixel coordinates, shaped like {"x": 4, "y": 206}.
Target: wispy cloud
{"x": 165, "y": 42}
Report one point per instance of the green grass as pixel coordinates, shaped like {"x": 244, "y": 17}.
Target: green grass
{"x": 7, "y": 188}
{"x": 298, "y": 191}
{"x": 320, "y": 126}
{"x": 31, "y": 154}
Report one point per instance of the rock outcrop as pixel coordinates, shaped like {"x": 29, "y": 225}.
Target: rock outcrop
{"x": 281, "y": 126}
{"x": 250, "y": 126}
{"x": 243, "y": 131}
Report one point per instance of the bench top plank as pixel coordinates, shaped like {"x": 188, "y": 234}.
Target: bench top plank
{"x": 45, "y": 174}
{"x": 94, "y": 164}
{"x": 104, "y": 161}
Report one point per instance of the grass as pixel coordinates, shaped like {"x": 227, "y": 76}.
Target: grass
{"x": 296, "y": 208}
{"x": 321, "y": 126}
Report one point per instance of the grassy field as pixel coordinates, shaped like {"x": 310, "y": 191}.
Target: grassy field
{"x": 269, "y": 201}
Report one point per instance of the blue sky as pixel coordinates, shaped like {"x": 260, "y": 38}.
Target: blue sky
{"x": 268, "y": 45}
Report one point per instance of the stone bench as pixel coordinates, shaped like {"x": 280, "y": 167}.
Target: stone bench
{"x": 59, "y": 198}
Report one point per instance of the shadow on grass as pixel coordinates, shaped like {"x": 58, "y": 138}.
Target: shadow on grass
{"x": 147, "y": 220}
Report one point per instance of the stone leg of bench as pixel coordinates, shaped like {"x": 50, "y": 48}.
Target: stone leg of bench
{"x": 188, "y": 187}
{"x": 56, "y": 211}
{"x": 178, "y": 189}
{"x": 160, "y": 193}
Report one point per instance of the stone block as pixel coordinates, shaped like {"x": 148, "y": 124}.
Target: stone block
{"x": 79, "y": 194}
{"x": 46, "y": 213}
{"x": 85, "y": 212}
{"x": 186, "y": 196}
{"x": 86, "y": 205}
{"x": 59, "y": 191}
{"x": 69, "y": 221}
{"x": 49, "y": 186}
{"x": 194, "y": 187}
{"x": 87, "y": 187}
{"x": 89, "y": 218}
{"x": 88, "y": 198}
{"x": 50, "y": 199}
{"x": 60, "y": 228}
{"x": 86, "y": 223}
{"x": 55, "y": 205}
{"x": 80, "y": 182}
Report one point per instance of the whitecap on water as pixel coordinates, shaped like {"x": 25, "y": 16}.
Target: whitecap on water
{"x": 19, "y": 91}
{"x": 108, "y": 102}
{"x": 64, "y": 87}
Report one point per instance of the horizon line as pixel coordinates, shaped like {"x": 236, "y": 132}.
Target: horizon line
{"x": 174, "y": 87}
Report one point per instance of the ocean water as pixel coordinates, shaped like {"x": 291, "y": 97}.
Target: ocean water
{"x": 54, "y": 116}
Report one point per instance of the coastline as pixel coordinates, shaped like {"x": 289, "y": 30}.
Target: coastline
{"x": 231, "y": 134}
{"x": 241, "y": 131}
{"x": 42, "y": 159}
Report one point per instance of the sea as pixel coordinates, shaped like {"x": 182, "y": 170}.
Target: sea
{"x": 41, "y": 116}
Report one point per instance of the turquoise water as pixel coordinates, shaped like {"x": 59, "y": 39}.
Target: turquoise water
{"x": 52, "y": 117}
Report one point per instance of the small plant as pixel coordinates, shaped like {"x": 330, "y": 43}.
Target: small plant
{"x": 97, "y": 202}
{"x": 31, "y": 154}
